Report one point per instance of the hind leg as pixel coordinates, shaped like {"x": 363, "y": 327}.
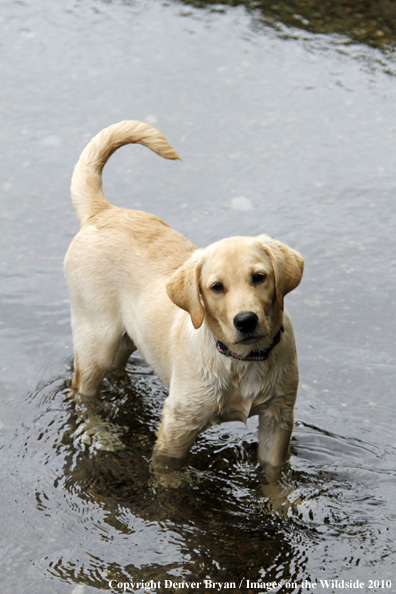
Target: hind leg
{"x": 95, "y": 350}
{"x": 94, "y": 356}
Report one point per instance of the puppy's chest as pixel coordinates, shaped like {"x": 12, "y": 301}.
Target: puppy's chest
{"x": 243, "y": 393}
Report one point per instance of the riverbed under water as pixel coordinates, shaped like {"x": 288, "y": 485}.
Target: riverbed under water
{"x": 284, "y": 116}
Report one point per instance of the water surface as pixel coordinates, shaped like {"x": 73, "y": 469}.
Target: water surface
{"x": 284, "y": 115}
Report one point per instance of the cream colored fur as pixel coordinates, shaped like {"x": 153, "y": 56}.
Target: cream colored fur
{"x": 136, "y": 283}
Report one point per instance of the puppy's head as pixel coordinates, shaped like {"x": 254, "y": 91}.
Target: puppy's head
{"x": 238, "y": 286}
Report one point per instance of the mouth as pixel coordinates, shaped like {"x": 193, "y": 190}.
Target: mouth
{"x": 250, "y": 339}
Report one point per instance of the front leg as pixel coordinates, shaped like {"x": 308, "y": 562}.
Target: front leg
{"x": 184, "y": 416}
{"x": 276, "y": 421}
{"x": 176, "y": 433}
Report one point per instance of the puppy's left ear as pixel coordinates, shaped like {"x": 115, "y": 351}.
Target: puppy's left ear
{"x": 183, "y": 288}
{"x": 288, "y": 266}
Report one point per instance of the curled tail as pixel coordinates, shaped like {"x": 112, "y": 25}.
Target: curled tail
{"x": 86, "y": 186}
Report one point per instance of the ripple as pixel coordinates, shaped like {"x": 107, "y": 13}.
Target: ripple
{"x": 216, "y": 517}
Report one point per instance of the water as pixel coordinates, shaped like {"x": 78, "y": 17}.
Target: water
{"x": 284, "y": 115}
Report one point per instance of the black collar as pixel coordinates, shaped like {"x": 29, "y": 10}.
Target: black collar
{"x": 253, "y": 355}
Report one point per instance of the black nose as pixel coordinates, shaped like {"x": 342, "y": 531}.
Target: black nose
{"x": 245, "y": 322}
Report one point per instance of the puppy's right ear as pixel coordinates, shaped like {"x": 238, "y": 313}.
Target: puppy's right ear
{"x": 183, "y": 288}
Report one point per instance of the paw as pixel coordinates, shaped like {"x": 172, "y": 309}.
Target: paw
{"x": 99, "y": 434}
{"x": 279, "y": 499}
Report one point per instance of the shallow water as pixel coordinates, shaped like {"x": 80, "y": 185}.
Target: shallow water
{"x": 284, "y": 115}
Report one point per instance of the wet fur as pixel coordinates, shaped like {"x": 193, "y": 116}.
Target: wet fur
{"x": 136, "y": 283}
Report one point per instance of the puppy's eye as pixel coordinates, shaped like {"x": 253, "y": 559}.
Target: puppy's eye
{"x": 258, "y": 278}
{"x": 217, "y": 287}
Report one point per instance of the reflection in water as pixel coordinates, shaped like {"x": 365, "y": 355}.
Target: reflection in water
{"x": 214, "y": 518}
{"x": 372, "y": 23}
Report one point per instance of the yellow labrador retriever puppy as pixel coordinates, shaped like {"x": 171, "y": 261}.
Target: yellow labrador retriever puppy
{"x": 211, "y": 322}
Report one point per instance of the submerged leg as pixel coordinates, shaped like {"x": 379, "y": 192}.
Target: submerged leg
{"x": 274, "y": 433}
{"x": 94, "y": 356}
{"x": 175, "y": 436}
